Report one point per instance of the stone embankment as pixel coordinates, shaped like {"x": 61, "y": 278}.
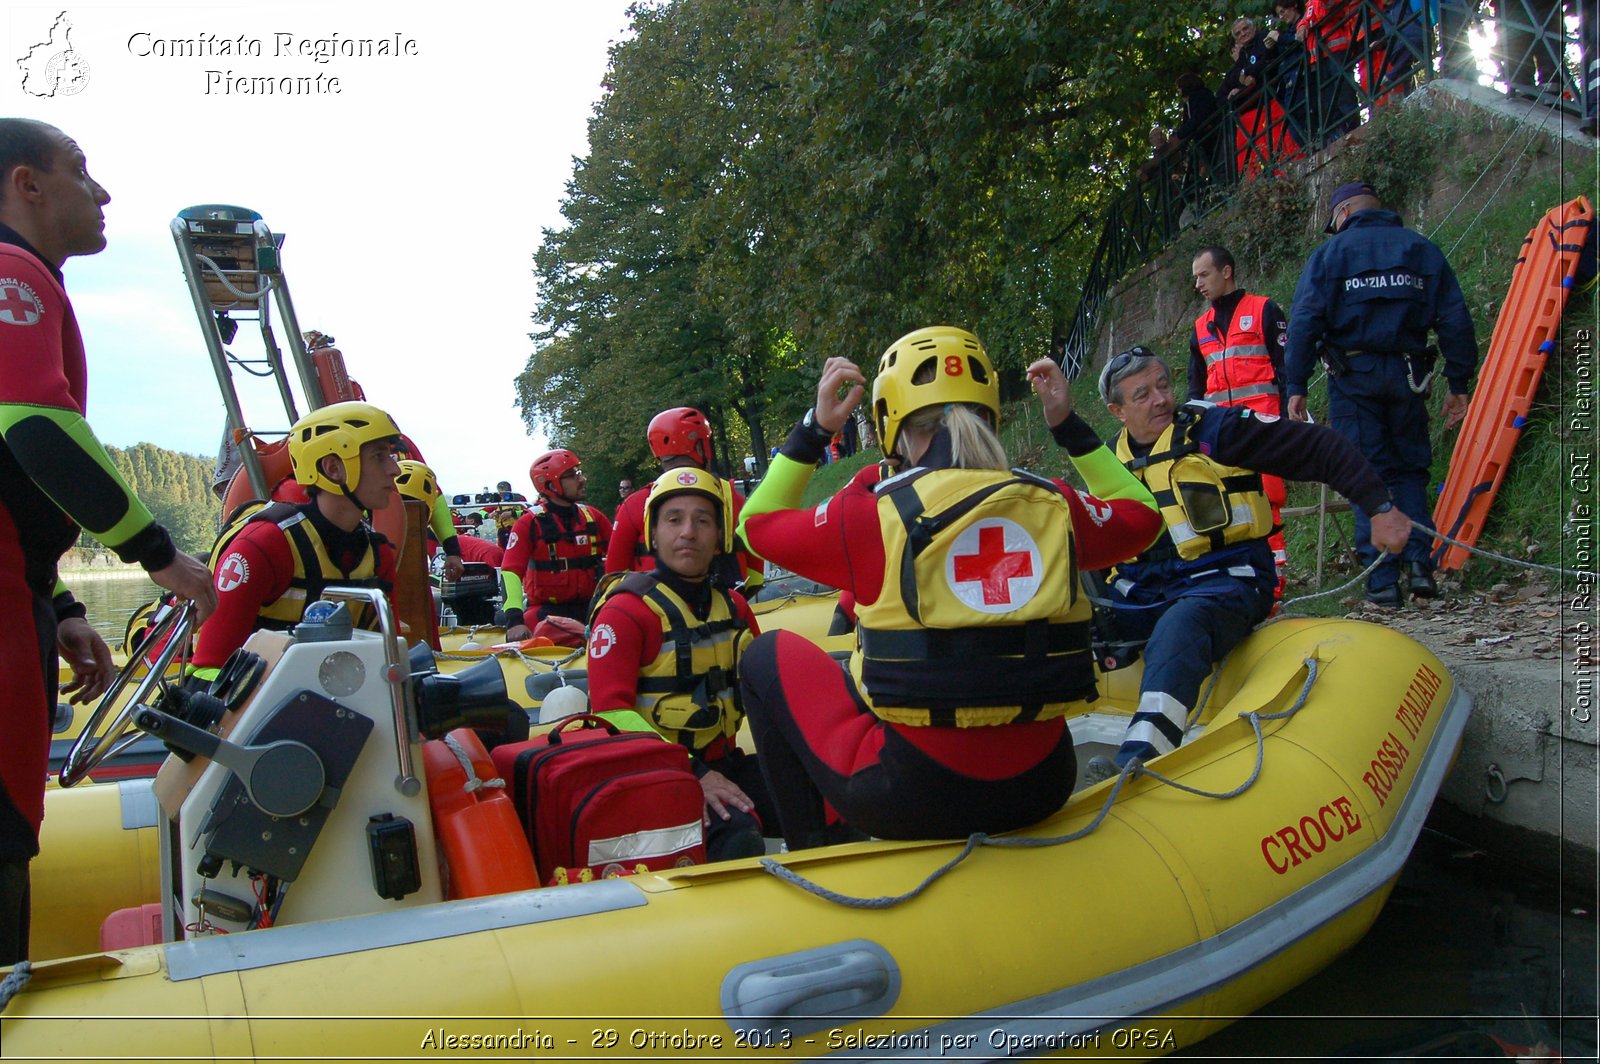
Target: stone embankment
{"x": 1527, "y": 776}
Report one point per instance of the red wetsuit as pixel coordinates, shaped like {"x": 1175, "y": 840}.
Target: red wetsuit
{"x": 52, "y": 481}
{"x": 577, "y": 535}
{"x": 477, "y": 549}
{"x": 257, "y": 568}
{"x": 818, "y": 739}
{"x": 626, "y": 637}
{"x": 634, "y": 640}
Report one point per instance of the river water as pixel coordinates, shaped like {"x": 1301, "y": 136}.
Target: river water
{"x": 111, "y": 599}
{"x": 1469, "y": 948}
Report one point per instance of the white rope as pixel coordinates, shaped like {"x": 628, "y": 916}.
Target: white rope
{"x": 13, "y": 983}
{"x": 977, "y": 839}
{"x": 238, "y": 293}
{"x": 1581, "y": 573}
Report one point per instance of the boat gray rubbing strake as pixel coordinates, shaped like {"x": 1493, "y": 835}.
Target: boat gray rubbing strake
{"x": 215, "y": 954}
{"x": 1185, "y": 974}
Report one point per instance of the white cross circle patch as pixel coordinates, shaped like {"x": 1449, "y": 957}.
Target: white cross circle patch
{"x": 994, "y": 566}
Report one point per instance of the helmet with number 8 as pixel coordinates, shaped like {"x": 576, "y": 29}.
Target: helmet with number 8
{"x": 931, "y": 367}
{"x": 339, "y": 429}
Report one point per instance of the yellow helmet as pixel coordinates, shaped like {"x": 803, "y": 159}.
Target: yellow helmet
{"x": 690, "y": 481}
{"x": 338, "y": 429}
{"x": 416, "y": 481}
{"x": 931, "y": 367}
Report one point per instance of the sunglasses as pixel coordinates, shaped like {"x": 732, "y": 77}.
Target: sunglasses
{"x": 1117, "y": 366}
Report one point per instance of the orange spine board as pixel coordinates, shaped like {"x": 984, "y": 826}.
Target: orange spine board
{"x": 1525, "y": 335}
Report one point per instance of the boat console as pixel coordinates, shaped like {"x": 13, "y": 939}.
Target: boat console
{"x": 302, "y": 800}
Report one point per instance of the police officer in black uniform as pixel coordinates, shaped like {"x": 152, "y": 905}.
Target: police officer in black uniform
{"x": 1365, "y": 303}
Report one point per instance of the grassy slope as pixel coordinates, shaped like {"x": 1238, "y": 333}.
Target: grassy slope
{"x": 1429, "y": 160}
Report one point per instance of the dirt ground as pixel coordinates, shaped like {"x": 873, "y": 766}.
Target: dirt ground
{"x": 1518, "y": 620}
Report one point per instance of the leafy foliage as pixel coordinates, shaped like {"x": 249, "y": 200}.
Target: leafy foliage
{"x": 767, "y": 185}
{"x": 177, "y": 490}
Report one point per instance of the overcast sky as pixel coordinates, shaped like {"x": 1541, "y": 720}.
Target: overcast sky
{"x": 412, "y": 199}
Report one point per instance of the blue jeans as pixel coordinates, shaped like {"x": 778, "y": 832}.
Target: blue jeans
{"x": 1188, "y": 635}
{"x": 1374, "y": 407}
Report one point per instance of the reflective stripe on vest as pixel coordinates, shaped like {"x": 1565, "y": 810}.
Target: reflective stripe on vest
{"x": 689, "y": 691}
{"x": 1238, "y": 394}
{"x": 980, "y": 620}
{"x": 1237, "y": 364}
{"x": 1206, "y": 505}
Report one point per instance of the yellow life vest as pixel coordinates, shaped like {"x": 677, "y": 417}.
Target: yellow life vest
{"x": 689, "y": 693}
{"x": 1206, "y": 505}
{"x": 980, "y": 620}
{"x": 314, "y": 569}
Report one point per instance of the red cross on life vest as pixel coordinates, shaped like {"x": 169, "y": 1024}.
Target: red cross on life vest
{"x": 993, "y": 566}
{"x": 16, "y": 307}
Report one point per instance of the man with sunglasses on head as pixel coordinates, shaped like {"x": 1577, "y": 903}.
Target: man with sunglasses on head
{"x": 1365, "y": 302}
{"x": 557, "y": 548}
{"x": 1209, "y": 578}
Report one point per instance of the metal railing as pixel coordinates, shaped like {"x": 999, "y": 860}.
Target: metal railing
{"x": 1367, "y": 53}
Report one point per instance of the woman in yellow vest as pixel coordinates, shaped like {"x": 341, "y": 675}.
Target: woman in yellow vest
{"x": 667, "y": 644}
{"x": 973, "y": 642}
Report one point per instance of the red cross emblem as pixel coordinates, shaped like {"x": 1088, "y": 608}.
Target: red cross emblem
{"x": 602, "y": 641}
{"x": 233, "y": 571}
{"x": 994, "y": 566}
{"x": 18, "y": 304}
{"x": 688, "y": 479}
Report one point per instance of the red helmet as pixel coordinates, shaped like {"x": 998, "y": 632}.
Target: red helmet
{"x": 681, "y": 430}
{"x": 548, "y": 469}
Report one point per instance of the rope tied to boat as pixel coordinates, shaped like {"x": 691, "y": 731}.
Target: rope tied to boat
{"x": 977, "y": 839}
{"x": 474, "y": 782}
{"x": 13, "y": 983}
{"x": 533, "y": 664}
{"x": 1284, "y": 613}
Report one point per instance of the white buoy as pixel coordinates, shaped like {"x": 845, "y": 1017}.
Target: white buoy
{"x": 565, "y": 701}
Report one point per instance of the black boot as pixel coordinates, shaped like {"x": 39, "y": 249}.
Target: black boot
{"x": 1420, "y": 577}
{"x": 1384, "y": 596}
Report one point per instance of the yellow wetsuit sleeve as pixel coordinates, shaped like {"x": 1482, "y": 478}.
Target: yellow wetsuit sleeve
{"x": 513, "y": 589}
{"x": 58, "y": 451}
{"x": 1106, "y": 478}
{"x": 781, "y": 489}
{"x": 443, "y": 525}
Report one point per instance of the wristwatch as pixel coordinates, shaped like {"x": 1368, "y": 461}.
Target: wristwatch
{"x": 809, "y": 422}
{"x": 1385, "y": 508}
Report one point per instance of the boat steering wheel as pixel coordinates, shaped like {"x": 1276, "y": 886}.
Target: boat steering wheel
{"x": 101, "y": 739}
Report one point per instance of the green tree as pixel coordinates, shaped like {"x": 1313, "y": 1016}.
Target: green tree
{"x": 177, "y": 490}
{"x": 767, "y": 185}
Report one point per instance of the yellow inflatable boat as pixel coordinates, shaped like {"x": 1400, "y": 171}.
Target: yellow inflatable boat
{"x": 1133, "y": 922}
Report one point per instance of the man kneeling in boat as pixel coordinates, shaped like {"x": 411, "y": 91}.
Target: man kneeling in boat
{"x": 974, "y": 638}
{"x": 274, "y": 562}
{"x": 667, "y": 643}
{"x": 1209, "y": 577}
